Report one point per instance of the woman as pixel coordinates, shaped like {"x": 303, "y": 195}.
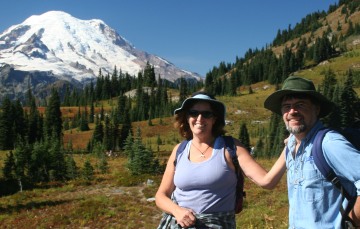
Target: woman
{"x": 199, "y": 192}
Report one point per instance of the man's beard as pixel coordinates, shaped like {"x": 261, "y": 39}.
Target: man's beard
{"x": 296, "y": 130}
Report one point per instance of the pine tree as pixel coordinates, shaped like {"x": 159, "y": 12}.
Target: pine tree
{"x": 349, "y": 103}
{"x": 22, "y": 156}
{"x": 275, "y": 121}
{"x": 84, "y": 125}
{"x": 71, "y": 168}
{"x": 126, "y": 129}
{"x": 102, "y": 164}
{"x": 149, "y": 76}
{"x": 107, "y": 140}
{"x": 40, "y": 164}
{"x": 92, "y": 113}
{"x": 281, "y": 134}
{"x": 244, "y": 136}
{"x": 140, "y": 159}
{"x": 259, "y": 148}
{"x": 57, "y": 161}
{"x": 53, "y": 121}
{"x": 98, "y": 133}
{"x": 19, "y": 122}
{"x": 7, "y": 134}
{"x": 88, "y": 171}
{"x": 34, "y": 122}
{"x": 183, "y": 90}
{"x": 9, "y": 169}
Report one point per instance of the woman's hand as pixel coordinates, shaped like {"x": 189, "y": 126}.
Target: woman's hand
{"x": 185, "y": 217}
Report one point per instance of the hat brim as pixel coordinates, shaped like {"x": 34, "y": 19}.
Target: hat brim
{"x": 273, "y": 102}
{"x": 219, "y": 106}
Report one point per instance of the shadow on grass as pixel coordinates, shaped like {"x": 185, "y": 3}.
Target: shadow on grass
{"x": 31, "y": 205}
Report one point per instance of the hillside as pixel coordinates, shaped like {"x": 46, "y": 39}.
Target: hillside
{"x": 244, "y": 107}
{"x": 330, "y": 22}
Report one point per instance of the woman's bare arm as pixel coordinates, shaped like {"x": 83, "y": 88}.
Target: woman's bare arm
{"x": 254, "y": 171}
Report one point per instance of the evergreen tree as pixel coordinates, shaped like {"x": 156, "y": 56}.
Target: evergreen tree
{"x": 98, "y": 133}
{"x": 275, "y": 121}
{"x": 120, "y": 109}
{"x": 349, "y": 103}
{"x": 244, "y": 136}
{"x": 22, "y": 156}
{"x": 34, "y": 120}
{"x": 84, "y": 125}
{"x": 209, "y": 83}
{"x": 40, "y": 163}
{"x": 53, "y": 121}
{"x": 88, "y": 171}
{"x": 71, "y": 168}
{"x": 281, "y": 134}
{"x": 329, "y": 83}
{"x": 149, "y": 76}
{"x": 102, "y": 164}
{"x": 259, "y": 148}
{"x": 9, "y": 169}
{"x": 107, "y": 140}
{"x": 141, "y": 160}
{"x": 183, "y": 89}
{"x": 19, "y": 122}
{"x": 57, "y": 161}
{"x": 92, "y": 113}
{"x": 126, "y": 129}
{"x": 7, "y": 134}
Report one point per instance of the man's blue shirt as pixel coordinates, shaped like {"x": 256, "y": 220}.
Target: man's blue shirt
{"x": 314, "y": 201}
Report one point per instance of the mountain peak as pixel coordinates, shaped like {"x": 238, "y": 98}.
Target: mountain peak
{"x": 74, "y": 49}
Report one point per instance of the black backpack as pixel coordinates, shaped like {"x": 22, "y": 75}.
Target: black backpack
{"x": 231, "y": 148}
{"x": 353, "y": 136}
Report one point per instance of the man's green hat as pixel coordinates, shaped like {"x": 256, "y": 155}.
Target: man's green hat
{"x": 297, "y": 85}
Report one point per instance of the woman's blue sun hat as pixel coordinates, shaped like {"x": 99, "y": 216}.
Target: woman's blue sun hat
{"x": 219, "y": 107}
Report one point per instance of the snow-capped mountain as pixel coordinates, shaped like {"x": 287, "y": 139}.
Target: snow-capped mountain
{"x": 55, "y": 46}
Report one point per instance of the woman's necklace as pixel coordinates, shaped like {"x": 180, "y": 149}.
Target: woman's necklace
{"x": 201, "y": 152}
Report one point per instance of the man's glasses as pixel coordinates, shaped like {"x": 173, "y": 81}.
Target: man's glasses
{"x": 300, "y": 106}
{"x": 204, "y": 114}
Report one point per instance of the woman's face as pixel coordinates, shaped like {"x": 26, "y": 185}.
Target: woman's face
{"x": 201, "y": 118}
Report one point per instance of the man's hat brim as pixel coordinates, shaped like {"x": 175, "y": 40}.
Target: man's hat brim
{"x": 273, "y": 102}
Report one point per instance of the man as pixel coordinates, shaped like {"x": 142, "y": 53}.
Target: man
{"x": 314, "y": 201}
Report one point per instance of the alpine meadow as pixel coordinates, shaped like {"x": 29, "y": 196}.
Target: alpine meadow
{"x": 94, "y": 157}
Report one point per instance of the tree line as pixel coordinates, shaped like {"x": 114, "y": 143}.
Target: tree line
{"x": 35, "y": 139}
{"x": 265, "y": 65}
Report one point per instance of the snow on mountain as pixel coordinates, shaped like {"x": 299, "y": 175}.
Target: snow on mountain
{"x": 72, "y": 49}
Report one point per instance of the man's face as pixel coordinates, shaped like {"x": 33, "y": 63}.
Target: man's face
{"x": 299, "y": 115}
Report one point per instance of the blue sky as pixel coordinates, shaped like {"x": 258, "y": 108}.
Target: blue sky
{"x": 195, "y": 35}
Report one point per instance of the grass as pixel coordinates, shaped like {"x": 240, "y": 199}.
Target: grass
{"x": 112, "y": 202}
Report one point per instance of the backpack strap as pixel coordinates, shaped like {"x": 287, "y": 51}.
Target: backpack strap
{"x": 322, "y": 164}
{"x": 180, "y": 149}
{"x": 231, "y": 148}
{"x": 240, "y": 194}
{"x": 329, "y": 173}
